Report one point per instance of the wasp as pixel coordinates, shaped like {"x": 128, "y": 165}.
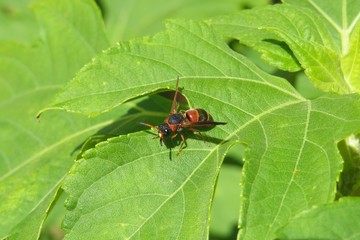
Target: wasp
{"x": 192, "y": 120}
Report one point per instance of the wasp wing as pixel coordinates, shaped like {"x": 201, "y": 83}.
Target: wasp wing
{"x": 201, "y": 124}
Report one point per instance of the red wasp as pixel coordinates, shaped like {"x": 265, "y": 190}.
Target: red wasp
{"x": 191, "y": 120}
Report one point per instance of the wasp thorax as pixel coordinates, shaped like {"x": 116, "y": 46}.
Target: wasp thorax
{"x": 176, "y": 118}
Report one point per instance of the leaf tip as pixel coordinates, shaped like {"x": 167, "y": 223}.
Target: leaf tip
{"x": 40, "y": 113}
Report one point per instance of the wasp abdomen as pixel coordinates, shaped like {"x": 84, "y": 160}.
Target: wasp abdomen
{"x": 198, "y": 115}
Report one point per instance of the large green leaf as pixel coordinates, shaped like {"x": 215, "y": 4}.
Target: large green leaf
{"x": 35, "y": 156}
{"x": 131, "y": 187}
{"x": 339, "y": 220}
{"x": 17, "y": 22}
{"x": 200, "y": 54}
{"x": 126, "y": 19}
{"x": 291, "y": 36}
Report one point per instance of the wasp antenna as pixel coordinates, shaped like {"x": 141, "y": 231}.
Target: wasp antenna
{"x": 149, "y": 125}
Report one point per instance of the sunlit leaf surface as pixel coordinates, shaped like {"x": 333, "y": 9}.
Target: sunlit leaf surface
{"x": 291, "y": 160}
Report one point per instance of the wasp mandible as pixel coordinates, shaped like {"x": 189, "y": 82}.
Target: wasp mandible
{"x": 190, "y": 120}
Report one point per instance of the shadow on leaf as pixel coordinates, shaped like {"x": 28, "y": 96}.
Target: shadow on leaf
{"x": 150, "y": 108}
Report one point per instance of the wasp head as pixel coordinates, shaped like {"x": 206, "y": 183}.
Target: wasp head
{"x": 164, "y": 130}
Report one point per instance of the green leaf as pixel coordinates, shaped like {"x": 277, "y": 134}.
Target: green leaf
{"x": 338, "y": 220}
{"x": 339, "y": 17}
{"x": 127, "y": 18}
{"x": 29, "y": 226}
{"x": 295, "y": 178}
{"x": 131, "y": 187}
{"x": 103, "y": 85}
{"x": 305, "y": 33}
{"x": 245, "y": 26}
{"x": 351, "y": 61}
{"x": 35, "y": 156}
{"x": 139, "y": 191}
{"x": 17, "y": 21}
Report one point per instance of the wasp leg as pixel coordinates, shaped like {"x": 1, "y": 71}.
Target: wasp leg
{"x": 182, "y": 144}
{"x": 174, "y": 103}
{"x": 173, "y": 136}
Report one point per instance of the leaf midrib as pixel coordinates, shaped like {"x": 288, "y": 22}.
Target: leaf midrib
{"x": 284, "y": 195}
